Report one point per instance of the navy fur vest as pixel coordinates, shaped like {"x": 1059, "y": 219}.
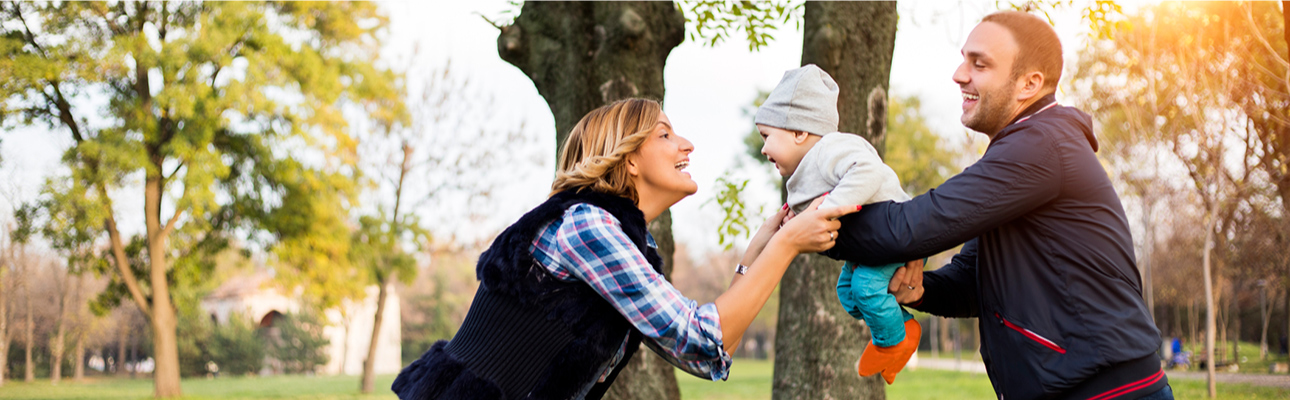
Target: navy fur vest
{"x": 528, "y": 335}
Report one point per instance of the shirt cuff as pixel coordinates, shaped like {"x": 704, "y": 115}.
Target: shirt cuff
{"x": 710, "y": 324}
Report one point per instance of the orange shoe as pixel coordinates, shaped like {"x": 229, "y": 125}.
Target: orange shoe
{"x": 890, "y": 360}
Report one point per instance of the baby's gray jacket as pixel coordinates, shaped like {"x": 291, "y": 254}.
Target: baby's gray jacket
{"x": 848, "y": 168}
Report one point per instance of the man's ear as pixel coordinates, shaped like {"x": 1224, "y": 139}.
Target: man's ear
{"x": 1030, "y": 85}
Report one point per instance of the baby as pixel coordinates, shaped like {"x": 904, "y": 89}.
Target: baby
{"x": 799, "y": 123}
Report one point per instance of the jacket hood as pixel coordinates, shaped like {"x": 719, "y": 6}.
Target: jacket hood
{"x": 1036, "y": 114}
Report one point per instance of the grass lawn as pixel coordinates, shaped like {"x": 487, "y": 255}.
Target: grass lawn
{"x": 274, "y": 387}
{"x": 749, "y": 379}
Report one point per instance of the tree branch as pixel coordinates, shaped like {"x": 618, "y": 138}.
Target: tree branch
{"x": 123, "y": 263}
{"x": 170, "y": 225}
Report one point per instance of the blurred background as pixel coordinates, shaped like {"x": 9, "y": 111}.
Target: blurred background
{"x": 252, "y": 200}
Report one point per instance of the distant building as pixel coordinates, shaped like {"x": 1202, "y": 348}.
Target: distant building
{"x": 255, "y": 297}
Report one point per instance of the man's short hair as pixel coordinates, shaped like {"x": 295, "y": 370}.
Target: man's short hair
{"x": 1038, "y": 48}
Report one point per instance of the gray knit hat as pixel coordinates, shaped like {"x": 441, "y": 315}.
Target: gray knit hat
{"x": 806, "y": 99}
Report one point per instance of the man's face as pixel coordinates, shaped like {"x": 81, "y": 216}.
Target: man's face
{"x": 985, "y": 79}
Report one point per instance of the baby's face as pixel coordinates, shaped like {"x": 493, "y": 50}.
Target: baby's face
{"x": 783, "y": 147}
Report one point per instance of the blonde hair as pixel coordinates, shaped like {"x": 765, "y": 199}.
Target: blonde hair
{"x": 595, "y": 153}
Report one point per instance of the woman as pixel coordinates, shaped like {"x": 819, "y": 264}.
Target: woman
{"x": 570, "y": 290}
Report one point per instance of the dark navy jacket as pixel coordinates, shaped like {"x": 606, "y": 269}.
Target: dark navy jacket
{"x": 1047, "y": 262}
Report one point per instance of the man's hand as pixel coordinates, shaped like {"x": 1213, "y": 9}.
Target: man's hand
{"x": 907, "y": 283}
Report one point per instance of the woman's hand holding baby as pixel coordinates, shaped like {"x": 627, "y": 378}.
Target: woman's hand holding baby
{"x": 815, "y": 229}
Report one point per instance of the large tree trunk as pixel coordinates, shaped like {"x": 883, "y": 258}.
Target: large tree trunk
{"x": 581, "y": 56}
{"x": 166, "y": 350}
{"x": 369, "y": 363}
{"x": 816, "y": 342}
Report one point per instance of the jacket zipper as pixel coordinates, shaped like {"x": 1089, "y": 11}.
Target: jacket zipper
{"x": 1032, "y": 335}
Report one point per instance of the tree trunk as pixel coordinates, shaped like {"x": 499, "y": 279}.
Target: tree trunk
{"x": 947, "y": 346}
{"x": 581, "y": 56}
{"x": 1209, "y": 302}
{"x": 344, "y": 351}
{"x": 165, "y": 346}
{"x": 29, "y": 370}
{"x": 935, "y": 329}
{"x": 369, "y": 363}
{"x": 4, "y": 321}
{"x": 816, "y": 342}
{"x": 120, "y": 343}
{"x": 1149, "y": 250}
{"x": 56, "y": 353}
{"x": 78, "y": 354}
{"x": 1235, "y": 333}
{"x": 1264, "y": 316}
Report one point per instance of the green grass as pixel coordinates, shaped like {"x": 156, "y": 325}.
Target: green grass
{"x": 749, "y": 379}
{"x": 274, "y": 387}
{"x": 1196, "y": 389}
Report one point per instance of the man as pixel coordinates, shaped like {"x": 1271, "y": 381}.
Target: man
{"x": 1047, "y": 262}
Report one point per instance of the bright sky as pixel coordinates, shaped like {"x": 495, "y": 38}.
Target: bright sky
{"x": 708, "y": 89}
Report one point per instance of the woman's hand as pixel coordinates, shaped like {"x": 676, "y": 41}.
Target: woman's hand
{"x": 814, "y": 230}
{"x": 763, "y": 235}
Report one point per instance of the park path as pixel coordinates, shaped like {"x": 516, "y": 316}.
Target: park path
{"x": 1280, "y": 381}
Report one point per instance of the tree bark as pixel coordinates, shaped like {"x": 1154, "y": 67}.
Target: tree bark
{"x": 165, "y": 345}
{"x": 1209, "y": 303}
{"x": 29, "y": 370}
{"x": 1235, "y": 335}
{"x": 369, "y": 363}
{"x": 816, "y": 342}
{"x": 581, "y": 56}
{"x": 4, "y": 317}
{"x": 120, "y": 343}
{"x": 78, "y": 354}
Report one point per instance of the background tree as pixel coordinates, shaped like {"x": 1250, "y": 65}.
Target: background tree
{"x": 1183, "y": 58}
{"x": 817, "y": 344}
{"x": 236, "y": 347}
{"x": 296, "y": 341}
{"x": 203, "y": 99}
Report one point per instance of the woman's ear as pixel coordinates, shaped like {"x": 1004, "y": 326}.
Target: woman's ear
{"x": 633, "y": 165}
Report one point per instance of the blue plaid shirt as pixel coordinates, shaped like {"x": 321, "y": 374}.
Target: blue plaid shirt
{"x": 588, "y": 244}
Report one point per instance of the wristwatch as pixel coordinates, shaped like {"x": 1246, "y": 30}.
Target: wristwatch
{"x": 741, "y": 269}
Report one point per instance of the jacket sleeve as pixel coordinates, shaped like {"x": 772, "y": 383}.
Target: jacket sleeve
{"x": 1018, "y": 173}
{"x": 951, "y": 290}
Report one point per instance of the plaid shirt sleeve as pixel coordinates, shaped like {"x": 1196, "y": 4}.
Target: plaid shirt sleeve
{"x": 590, "y": 245}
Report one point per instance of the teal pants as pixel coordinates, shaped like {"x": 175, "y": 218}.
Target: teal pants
{"x": 863, "y": 292}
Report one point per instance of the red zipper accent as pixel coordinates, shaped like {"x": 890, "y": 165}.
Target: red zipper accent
{"x": 1032, "y": 335}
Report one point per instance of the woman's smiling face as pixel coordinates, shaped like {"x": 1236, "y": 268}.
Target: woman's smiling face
{"x": 658, "y": 167}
